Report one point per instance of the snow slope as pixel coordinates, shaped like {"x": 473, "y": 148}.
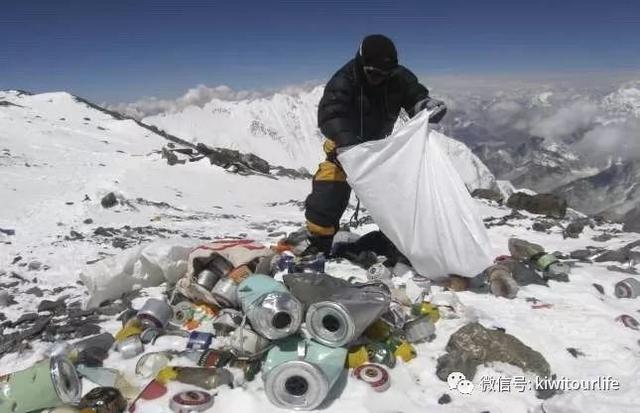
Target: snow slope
{"x": 282, "y": 129}
{"x": 47, "y": 165}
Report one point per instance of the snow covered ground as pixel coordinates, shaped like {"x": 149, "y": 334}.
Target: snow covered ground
{"x": 54, "y": 151}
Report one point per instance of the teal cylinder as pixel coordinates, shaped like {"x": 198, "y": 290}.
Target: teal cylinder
{"x": 48, "y": 383}
{"x": 272, "y": 310}
{"x": 299, "y": 373}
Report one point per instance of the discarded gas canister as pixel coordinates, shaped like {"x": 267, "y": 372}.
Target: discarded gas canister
{"x": 203, "y": 377}
{"x": 404, "y": 350}
{"x": 207, "y": 279}
{"x": 375, "y": 376}
{"x": 343, "y": 318}
{"x": 49, "y": 383}
{"x": 299, "y": 373}
{"x": 629, "y": 321}
{"x": 225, "y": 292}
{"x": 215, "y": 358}
{"x": 191, "y": 401}
{"x": 104, "y": 400}
{"x": 381, "y": 354}
{"x": 155, "y": 313}
{"x": 199, "y": 340}
{"x": 130, "y": 347}
{"x": 312, "y": 264}
{"x": 628, "y": 288}
{"x": 419, "y": 329}
{"x": 149, "y": 335}
{"x": 227, "y": 320}
{"x": 272, "y": 310}
{"x": 426, "y": 309}
{"x": 182, "y": 313}
{"x": 357, "y": 356}
{"x": 379, "y": 272}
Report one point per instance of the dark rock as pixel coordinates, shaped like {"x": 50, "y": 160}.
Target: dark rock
{"x": 34, "y": 265}
{"x": 171, "y": 157}
{"x": 26, "y": 318}
{"x": 16, "y": 259}
{"x": 6, "y": 299}
{"x": 109, "y": 200}
{"x": 620, "y": 255}
{"x": 574, "y": 229}
{"x": 604, "y": 237}
{"x": 105, "y": 232}
{"x": 524, "y": 273}
{"x": 88, "y": 221}
{"x": 444, "y": 399}
{"x": 539, "y": 227}
{"x": 69, "y": 203}
{"x": 631, "y": 220}
{"x": 582, "y": 255}
{"x": 87, "y": 330}
{"x": 120, "y": 243}
{"x": 543, "y": 204}
{"x": 75, "y": 235}
{"x": 575, "y": 352}
{"x": 489, "y": 194}
{"x": 112, "y": 309}
{"x": 474, "y": 345}
{"x": 628, "y": 270}
{"x": 92, "y": 356}
{"x": 35, "y": 291}
{"x": 599, "y": 288}
{"x": 52, "y": 306}
{"x": 7, "y": 231}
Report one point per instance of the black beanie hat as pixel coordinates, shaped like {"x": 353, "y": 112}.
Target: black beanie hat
{"x": 378, "y": 51}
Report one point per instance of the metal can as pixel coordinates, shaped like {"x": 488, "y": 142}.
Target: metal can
{"x": 628, "y": 288}
{"x": 130, "y": 347}
{"x": 381, "y": 354}
{"x": 629, "y": 321}
{"x": 183, "y": 312}
{"x": 375, "y": 376}
{"x": 215, "y": 358}
{"x": 207, "y": 279}
{"x": 149, "y": 335}
{"x": 227, "y": 321}
{"x": 54, "y": 382}
{"x": 378, "y": 272}
{"x": 225, "y": 293}
{"x": 199, "y": 340}
{"x": 247, "y": 343}
{"x": 191, "y": 401}
{"x": 104, "y": 400}
{"x": 156, "y": 313}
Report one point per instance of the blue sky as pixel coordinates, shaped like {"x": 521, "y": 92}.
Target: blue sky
{"x": 121, "y": 50}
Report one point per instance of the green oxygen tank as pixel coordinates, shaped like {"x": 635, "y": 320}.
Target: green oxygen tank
{"x": 48, "y": 383}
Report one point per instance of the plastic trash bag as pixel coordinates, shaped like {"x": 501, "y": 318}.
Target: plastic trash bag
{"x": 419, "y": 201}
{"x": 136, "y": 268}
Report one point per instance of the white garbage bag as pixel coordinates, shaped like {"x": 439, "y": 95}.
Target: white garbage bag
{"x": 136, "y": 268}
{"x": 419, "y": 201}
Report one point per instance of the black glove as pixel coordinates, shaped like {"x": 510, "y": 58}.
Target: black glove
{"x": 437, "y": 108}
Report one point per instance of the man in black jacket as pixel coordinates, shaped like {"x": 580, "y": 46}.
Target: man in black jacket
{"x": 361, "y": 103}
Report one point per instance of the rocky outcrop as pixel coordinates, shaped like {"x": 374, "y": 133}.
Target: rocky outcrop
{"x": 543, "y": 204}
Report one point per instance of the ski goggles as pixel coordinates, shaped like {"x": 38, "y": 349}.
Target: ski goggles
{"x": 377, "y": 73}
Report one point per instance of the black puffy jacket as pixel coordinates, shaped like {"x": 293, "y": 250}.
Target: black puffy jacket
{"x": 352, "y": 111}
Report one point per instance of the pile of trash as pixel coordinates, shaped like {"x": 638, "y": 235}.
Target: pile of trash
{"x": 242, "y": 309}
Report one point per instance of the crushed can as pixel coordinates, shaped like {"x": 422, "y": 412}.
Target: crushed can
{"x": 54, "y": 381}
{"x": 299, "y": 373}
{"x": 374, "y": 375}
{"x": 191, "y": 401}
{"x": 155, "y": 313}
{"x": 225, "y": 293}
{"x": 203, "y": 377}
{"x": 207, "y": 279}
{"x": 395, "y": 316}
{"x": 627, "y": 288}
{"x": 342, "y": 319}
{"x": 199, "y": 340}
{"x": 215, "y": 358}
{"x": 227, "y": 321}
{"x": 103, "y": 400}
{"x": 271, "y": 309}
{"x": 307, "y": 264}
{"x": 379, "y": 272}
{"x": 130, "y": 347}
{"x": 183, "y": 312}
{"x": 381, "y": 354}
